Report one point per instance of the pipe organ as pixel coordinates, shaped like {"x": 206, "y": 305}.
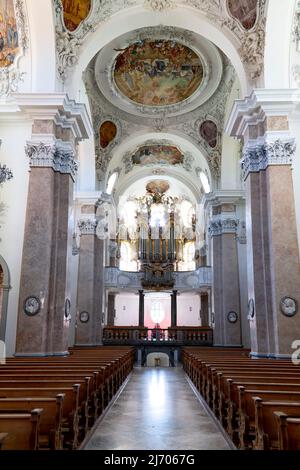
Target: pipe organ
{"x": 156, "y": 237}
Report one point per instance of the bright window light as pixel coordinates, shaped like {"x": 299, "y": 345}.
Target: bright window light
{"x": 157, "y": 313}
{"x": 205, "y": 182}
{"x": 111, "y": 183}
{"x": 157, "y": 215}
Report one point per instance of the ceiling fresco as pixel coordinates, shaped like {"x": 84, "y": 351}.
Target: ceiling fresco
{"x": 209, "y": 132}
{"x": 158, "y": 187}
{"x": 9, "y": 42}
{"x": 158, "y": 154}
{"x": 108, "y": 132}
{"x": 75, "y": 11}
{"x": 245, "y": 11}
{"x": 158, "y": 72}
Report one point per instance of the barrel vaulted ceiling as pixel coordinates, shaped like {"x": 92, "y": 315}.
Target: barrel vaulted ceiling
{"x": 159, "y": 81}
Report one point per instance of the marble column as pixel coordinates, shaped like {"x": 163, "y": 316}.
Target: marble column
{"x": 204, "y": 309}
{"x": 90, "y": 284}
{"x": 174, "y": 309}
{"x": 273, "y": 252}
{"x": 45, "y": 255}
{"x": 141, "y": 308}
{"x": 58, "y": 125}
{"x": 226, "y": 290}
{"x": 111, "y": 308}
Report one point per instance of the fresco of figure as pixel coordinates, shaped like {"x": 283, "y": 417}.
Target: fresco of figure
{"x": 75, "y": 11}
{"x": 9, "y": 43}
{"x": 245, "y": 11}
{"x": 158, "y": 73}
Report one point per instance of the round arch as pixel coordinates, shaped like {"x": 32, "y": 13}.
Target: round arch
{"x": 183, "y": 142}
{"x": 5, "y": 293}
{"x": 158, "y": 359}
{"x": 136, "y": 18}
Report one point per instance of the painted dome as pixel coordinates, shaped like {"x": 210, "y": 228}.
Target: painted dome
{"x": 158, "y": 72}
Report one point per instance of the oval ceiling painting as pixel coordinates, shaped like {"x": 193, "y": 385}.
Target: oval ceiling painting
{"x": 158, "y": 72}
{"x": 245, "y": 11}
{"x": 9, "y": 43}
{"x": 158, "y": 155}
{"x": 108, "y": 132}
{"x": 75, "y": 11}
{"x": 209, "y": 132}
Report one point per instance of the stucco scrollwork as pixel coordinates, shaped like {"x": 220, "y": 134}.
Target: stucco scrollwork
{"x": 250, "y": 43}
{"x": 59, "y": 158}
{"x": 219, "y": 227}
{"x": 259, "y": 157}
{"x": 87, "y": 226}
{"x": 159, "y": 5}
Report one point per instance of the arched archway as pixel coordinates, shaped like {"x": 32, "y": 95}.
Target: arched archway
{"x": 4, "y": 292}
{"x": 158, "y": 360}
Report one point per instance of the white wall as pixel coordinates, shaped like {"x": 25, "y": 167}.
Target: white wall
{"x": 129, "y": 316}
{"x": 13, "y": 197}
{"x": 188, "y": 310}
{"x": 230, "y": 175}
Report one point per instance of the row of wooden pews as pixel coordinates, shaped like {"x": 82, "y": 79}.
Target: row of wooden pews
{"x": 257, "y": 401}
{"x": 53, "y": 402}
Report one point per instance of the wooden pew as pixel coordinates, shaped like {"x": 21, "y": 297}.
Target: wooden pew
{"x": 232, "y": 416}
{"x": 266, "y": 432}
{"x": 219, "y": 374}
{"x": 21, "y": 429}
{"x": 50, "y": 423}
{"x": 105, "y": 369}
{"x": 288, "y": 431}
{"x": 71, "y": 410}
{"x": 3, "y": 436}
{"x": 246, "y": 409}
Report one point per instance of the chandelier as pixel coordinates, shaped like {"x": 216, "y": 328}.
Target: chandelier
{"x": 5, "y": 174}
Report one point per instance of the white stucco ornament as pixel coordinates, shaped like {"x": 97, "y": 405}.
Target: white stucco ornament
{"x": 159, "y": 5}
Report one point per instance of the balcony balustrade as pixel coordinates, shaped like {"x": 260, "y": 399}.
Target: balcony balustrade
{"x": 175, "y": 336}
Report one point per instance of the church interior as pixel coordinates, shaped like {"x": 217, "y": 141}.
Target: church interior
{"x": 149, "y": 225}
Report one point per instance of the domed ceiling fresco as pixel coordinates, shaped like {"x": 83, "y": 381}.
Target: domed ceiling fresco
{"x": 158, "y": 72}
{"x": 158, "y": 154}
{"x": 9, "y": 43}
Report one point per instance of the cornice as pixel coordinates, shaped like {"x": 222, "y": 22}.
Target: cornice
{"x": 260, "y": 104}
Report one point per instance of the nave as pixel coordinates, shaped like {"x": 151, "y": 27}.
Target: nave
{"x": 157, "y": 410}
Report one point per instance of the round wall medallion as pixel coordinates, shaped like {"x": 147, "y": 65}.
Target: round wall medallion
{"x": 67, "y": 308}
{"x": 32, "y": 306}
{"x": 289, "y": 306}
{"x": 232, "y": 317}
{"x": 84, "y": 317}
{"x": 251, "y": 309}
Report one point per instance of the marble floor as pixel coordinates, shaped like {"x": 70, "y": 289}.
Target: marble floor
{"x": 157, "y": 410}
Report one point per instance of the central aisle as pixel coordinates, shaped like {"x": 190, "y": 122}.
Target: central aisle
{"x": 157, "y": 410}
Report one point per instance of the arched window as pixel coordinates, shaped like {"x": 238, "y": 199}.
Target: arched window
{"x": 157, "y": 313}
{"x": 127, "y": 263}
{"x": 189, "y": 257}
{"x": 205, "y": 182}
{"x": 111, "y": 183}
